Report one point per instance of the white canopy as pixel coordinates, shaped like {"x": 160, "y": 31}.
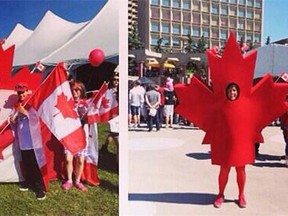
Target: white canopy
{"x": 55, "y": 39}
{"x": 271, "y": 59}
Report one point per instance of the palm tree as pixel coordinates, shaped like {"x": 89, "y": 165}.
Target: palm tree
{"x": 158, "y": 48}
{"x": 201, "y": 46}
{"x": 189, "y": 48}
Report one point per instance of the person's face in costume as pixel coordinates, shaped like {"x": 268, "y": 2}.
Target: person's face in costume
{"x": 232, "y": 92}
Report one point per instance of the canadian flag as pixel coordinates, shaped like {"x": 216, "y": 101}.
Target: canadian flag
{"x": 40, "y": 67}
{"x": 103, "y": 106}
{"x": 284, "y": 76}
{"x": 56, "y": 108}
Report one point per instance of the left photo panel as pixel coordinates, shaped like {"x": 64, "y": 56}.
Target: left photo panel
{"x": 59, "y": 107}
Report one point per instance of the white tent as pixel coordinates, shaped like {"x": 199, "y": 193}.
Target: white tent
{"x": 55, "y": 39}
{"x": 271, "y": 59}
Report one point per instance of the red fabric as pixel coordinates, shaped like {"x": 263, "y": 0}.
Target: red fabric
{"x": 232, "y": 127}
{"x": 6, "y": 137}
{"x": 90, "y": 174}
{"x": 6, "y": 61}
{"x": 24, "y": 75}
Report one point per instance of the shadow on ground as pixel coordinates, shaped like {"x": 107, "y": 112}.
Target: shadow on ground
{"x": 108, "y": 161}
{"x": 199, "y": 156}
{"x": 180, "y": 198}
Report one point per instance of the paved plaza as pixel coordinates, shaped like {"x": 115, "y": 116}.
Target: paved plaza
{"x": 170, "y": 173}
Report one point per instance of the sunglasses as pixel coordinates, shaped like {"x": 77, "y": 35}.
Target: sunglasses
{"x": 116, "y": 79}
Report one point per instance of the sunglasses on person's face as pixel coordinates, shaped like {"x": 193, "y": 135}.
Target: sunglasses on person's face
{"x": 116, "y": 80}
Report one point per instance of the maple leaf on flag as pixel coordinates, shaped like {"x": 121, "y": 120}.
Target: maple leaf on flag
{"x": 232, "y": 127}
{"x": 67, "y": 113}
{"x": 105, "y": 102}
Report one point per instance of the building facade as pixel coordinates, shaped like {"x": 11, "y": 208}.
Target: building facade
{"x": 174, "y": 20}
{"x": 132, "y": 14}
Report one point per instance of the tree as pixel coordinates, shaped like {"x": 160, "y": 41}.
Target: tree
{"x": 268, "y": 40}
{"x": 158, "y": 48}
{"x": 201, "y": 45}
{"x": 134, "y": 40}
{"x": 189, "y": 48}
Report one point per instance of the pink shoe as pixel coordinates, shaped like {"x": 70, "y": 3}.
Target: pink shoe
{"x": 80, "y": 186}
{"x": 67, "y": 185}
{"x": 242, "y": 202}
{"x": 218, "y": 202}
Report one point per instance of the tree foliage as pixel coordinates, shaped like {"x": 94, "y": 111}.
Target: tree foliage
{"x": 134, "y": 39}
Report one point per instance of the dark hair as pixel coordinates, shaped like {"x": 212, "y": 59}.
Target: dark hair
{"x": 233, "y": 85}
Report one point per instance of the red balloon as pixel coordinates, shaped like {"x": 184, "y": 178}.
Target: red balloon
{"x": 96, "y": 57}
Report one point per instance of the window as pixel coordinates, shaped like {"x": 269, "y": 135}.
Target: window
{"x": 224, "y": 10}
{"x": 176, "y": 15}
{"x": 241, "y": 2}
{"x": 257, "y": 38}
{"x": 233, "y": 23}
{"x": 186, "y": 16}
{"x": 249, "y": 14}
{"x": 205, "y": 19}
{"x": 196, "y": 31}
{"x": 214, "y": 9}
{"x": 233, "y": 11}
{"x": 196, "y": 5}
{"x": 240, "y": 36}
{"x": 176, "y": 3}
{"x": 241, "y": 12}
{"x": 186, "y": 30}
{"x": 215, "y": 20}
{"x": 205, "y": 7}
{"x": 257, "y": 15}
{"x": 241, "y": 24}
{"x": 249, "y": 37}
{"x": 165, "y": 42}
{"x": 154, "y": 40}
{"x": 166, "y": 3}
{"x": 224, "y": 21}
{"x": 155, "y": 13}
{"x": 224, "y": 0}
{"x": 186, "y": 4}
{"x": 176, "y": 29}
{"x": 154, "y": 27}
{"x": 166, "y": 14}
{"x": 196, "y": 18}
{"x": 165, "y": 28}
{"x": 250, "y": 3}
{"x": 258, "y": 3}
{"x": 249, "y": 25}
{"x": 224, "y": 34}
{"x": 176, "y": 42}
{"x": 215, "y": 33}
{"x": 154, "y": 2}
{"x": 206, "y": 32}
{"x": 232, "y": 1}
{"x": 257, "y": 26}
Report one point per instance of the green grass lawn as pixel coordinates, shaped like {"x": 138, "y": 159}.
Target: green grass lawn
{"x": 99, "y": 200}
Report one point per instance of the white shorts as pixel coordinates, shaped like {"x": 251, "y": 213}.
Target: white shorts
{"x": 168, "y": 110}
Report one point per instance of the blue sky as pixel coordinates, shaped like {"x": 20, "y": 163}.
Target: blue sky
{"x": 29, "y": 13}
{"x": 275, "y": 20}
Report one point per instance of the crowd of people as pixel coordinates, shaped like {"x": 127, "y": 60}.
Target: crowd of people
{"x": 152, "y": 104}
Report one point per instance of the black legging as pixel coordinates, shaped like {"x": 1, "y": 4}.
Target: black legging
{"x": 32, "y": 172}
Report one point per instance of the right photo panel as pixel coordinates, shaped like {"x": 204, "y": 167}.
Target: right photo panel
{"x": 207, "y": 109}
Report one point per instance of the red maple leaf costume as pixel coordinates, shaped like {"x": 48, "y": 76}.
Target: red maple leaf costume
{"x": 232, "y": 127}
